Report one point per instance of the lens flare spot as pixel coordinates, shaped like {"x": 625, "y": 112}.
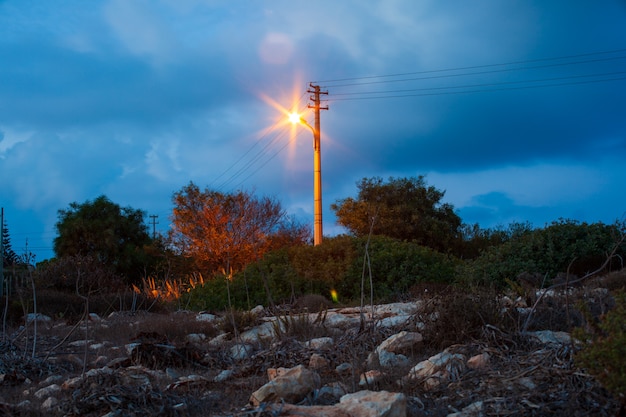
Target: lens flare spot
{"x": 294, "y": 118}
{"x": 334, "y": 296}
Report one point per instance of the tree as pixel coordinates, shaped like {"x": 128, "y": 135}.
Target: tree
{"x": 227, "y": 231}
{"x": 114, "y": 236}
{"x": 404, "y": 209}
{"x": 9, "y": 257}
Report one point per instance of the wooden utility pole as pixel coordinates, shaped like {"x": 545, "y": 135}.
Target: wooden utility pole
{"x": 154, "y": 223}
{"x": 317, "y": 162}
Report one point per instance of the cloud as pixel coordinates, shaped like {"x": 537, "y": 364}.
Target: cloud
{"x": 136, "y": 99}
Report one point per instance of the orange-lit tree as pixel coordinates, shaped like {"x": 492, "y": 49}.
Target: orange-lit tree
{"x": 227, "y": 231}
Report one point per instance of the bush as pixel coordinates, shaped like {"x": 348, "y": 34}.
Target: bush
{"x": 604, "y": 349}
{"x": 545, "y": 251}
{"x": 284, "y": 276}
{"x": 77, "y": 273}
{"x": 396, "y": 267}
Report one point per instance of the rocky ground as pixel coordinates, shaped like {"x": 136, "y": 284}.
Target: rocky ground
{"x": 431, "y": 356}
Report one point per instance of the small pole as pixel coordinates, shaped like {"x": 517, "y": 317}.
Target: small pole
{"x": 154, "y": 223}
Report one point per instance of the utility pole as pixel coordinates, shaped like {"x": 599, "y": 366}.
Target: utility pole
{"x": 154, "y": 223}
{"x": 317, "y": 162}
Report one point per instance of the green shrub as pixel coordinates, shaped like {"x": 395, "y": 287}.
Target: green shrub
{"x": 396, "y": 267}
{"x": 604, "y": 349}
{"x": 545, "y": 251}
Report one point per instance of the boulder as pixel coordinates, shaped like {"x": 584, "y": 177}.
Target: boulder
{"x": 359, "y": 404}
{"x": 291, "y": 386}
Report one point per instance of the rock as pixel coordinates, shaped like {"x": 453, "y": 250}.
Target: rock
{"x": 224, "y": 375}
{"x": 49, "y": 404}
{"x": 441, "y": 367}
{"x": 321, "y": 343}
{"x": 374, "y": 404}
{"x": 241, "y": 351}
{"x": 393, "y": 321}
{"x": 478, "y": 361}
{"x": 358, "y": 404}
{"x": 94, "y": 317}
{"x": 258, "y": 333}
{"x": 291, "y": 386}
{"x": 343, "y": 367}
{"x": 370, "y": 377}
{"x": 386, "y": 359}
{"x": 206, "y": 317}
{"x": 40, "y": 318}
{"x": 400, "y": 342}
{"x": 195, "y": 337}
{"x": 387, "y": 353}
{"x": 47, "y": 391}
{"x": 552, "y": 338}
{"x": 472, "y": 410}
{"x": 258, "y": 310}
{"x": 318, "y": 362}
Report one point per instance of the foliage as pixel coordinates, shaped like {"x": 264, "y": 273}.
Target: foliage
{"x": 396, "y": 267}
{"x": 77, "y": 273}
{"x": 9, "y": 257}
{"x": 566, "y": 243}
{"x": 604, "y": 349}
{"x": 285, "y": 275}
{"x": 225, "y": 232}
{"x": 109, "y": 234}
{"x": 404, "y": 209}
{"x": 457, "y": 316}
{"x": 475, "y": 240}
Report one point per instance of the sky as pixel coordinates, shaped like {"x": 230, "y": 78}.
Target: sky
{"x": 516, "y": 109}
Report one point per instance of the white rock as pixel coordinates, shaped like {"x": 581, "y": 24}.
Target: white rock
{"x": 321, "y": 343}
{"x": 292, "y": 386}
{"x": 224, "y": 375}
{"x": 374, "y": 404}
{"x": 258, "y": 310}
{"x": 400, "y": 342}
{"x": 47, "y": 391}
{"x": 49, "y": 404}
{"x": 195, "y": 337}
{"x": 241, "y": 351}
{"x": 30, "y": 317}
{"x": 258, "y": 333}
{"x": 206, "y": 317}
{"x": 554, "y": 338}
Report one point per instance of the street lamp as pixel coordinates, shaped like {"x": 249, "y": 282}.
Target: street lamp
{"x": 317, "y": 175}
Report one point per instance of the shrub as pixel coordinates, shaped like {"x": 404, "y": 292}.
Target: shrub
{"x": 544, "y": 251}
{"x": 604, "y": 349}
{"x": 77, "y": 273}
{"x": 396, "y": 267}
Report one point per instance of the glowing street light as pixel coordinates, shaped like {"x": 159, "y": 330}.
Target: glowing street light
{"x": 317, "y": 175}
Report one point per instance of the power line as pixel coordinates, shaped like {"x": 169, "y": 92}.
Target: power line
{"x": 464, "y": 68}
{"x": 250, "y": 163}
{"x": 263, "y": 151}
{"x": 435, "y": 91}
{"x": 266, "y": 162}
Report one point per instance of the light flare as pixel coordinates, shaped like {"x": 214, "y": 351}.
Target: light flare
{"x": 289, "y": 116}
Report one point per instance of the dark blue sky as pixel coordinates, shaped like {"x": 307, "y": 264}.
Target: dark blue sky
{"x": 516, "y": 109}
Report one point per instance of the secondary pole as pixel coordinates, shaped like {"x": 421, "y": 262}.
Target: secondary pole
{"x": 317, "y": 163}
{"x": 154, "y": 223}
